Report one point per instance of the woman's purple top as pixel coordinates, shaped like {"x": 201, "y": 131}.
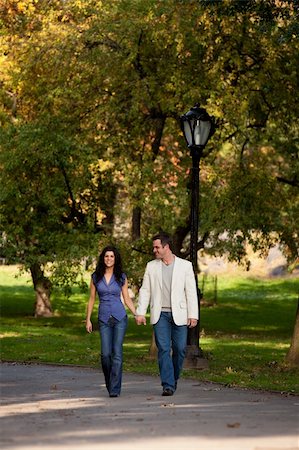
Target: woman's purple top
{"x": 110, "y": 303}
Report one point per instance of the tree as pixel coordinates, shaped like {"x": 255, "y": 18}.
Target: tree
{"x": 293, "y": 353}
{"x": 43, "y": 211}
{"x": 130, "y": 69}
{"x": 53, "y": 181}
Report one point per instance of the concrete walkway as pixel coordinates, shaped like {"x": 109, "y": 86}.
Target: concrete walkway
{"x": 55, "y": 407}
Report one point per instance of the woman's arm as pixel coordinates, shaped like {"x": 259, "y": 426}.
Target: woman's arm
{"x": 90, "y": 306}
{"x": 127, "y": 299}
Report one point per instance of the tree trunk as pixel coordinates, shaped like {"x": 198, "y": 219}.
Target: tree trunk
{"x": 42, "y": 287}
{"x": 136, "y": 223}
{"x": 293, "y": 353}
{"x": 153, "y": 350}
{"x": 178, "y": 238}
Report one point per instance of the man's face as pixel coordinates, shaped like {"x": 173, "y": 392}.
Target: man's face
{"x": 159, "y": 250}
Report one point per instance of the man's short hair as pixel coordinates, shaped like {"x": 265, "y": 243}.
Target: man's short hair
{"x": 164, "y": 238}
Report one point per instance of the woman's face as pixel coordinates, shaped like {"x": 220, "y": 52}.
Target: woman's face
{"x": 109, "y": 259}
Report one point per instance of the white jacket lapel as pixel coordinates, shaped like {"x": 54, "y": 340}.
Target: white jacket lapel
{"x": 159, "y": 273}
{"x": 175, "y": 273}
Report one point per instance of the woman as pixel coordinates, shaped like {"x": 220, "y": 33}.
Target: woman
{"x": 110, "y": 282}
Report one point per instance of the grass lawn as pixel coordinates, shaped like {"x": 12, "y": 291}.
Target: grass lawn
{"x": 246, "y": 335}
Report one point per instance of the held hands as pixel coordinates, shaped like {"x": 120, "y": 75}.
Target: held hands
{"x": 140, "y": 320}
{"x": 191, "y": 323}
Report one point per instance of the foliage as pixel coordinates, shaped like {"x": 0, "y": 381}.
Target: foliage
{"x": 92, "y": 95}
{"x": 43, "y": 212}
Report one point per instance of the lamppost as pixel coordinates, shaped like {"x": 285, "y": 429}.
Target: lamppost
{"x": 197, "y": 127}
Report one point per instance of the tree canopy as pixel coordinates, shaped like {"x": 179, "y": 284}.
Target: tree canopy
{"x": 90, "y": 140}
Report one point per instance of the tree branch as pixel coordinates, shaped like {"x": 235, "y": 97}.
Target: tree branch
{"x": 75, "y": 214}
{"x": 294, "y": 182}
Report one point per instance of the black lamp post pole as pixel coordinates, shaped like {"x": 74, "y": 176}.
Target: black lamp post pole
{"x": 197, "y": 127}
{"x": 193, "y": 348}
{"x": 196, "y": 156}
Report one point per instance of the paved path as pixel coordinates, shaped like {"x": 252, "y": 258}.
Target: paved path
{"x": 55, "y": 407}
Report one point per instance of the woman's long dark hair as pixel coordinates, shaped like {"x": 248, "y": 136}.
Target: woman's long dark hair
{"x": 101, "y": 267}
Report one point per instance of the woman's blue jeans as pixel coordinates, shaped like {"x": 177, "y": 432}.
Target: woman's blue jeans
{"x": 112, "y": 337}
{"x": 171, "y": 340}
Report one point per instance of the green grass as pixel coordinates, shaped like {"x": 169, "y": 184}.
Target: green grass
{"x": 246, "y": 335}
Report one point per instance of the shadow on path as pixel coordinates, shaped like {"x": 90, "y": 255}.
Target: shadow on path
{"x": 53, "y": 407}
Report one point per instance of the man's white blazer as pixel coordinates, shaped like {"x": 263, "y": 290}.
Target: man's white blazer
{"x": 184, "y": 302}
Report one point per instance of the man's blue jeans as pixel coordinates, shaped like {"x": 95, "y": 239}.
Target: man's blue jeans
{"x": 171, "y": 341}
{"x": 112, "y": 337}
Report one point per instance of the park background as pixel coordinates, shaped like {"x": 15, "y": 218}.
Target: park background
{"x": 92, "y": 152}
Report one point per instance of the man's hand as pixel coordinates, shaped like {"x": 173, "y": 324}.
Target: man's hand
{"x": 192, "y": 323}
{"x": 140, "y": 320}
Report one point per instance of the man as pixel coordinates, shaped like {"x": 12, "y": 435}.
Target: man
{"x": 169, "y": 288}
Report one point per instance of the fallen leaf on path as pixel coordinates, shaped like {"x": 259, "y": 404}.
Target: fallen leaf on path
{"x": 233, "y": 425}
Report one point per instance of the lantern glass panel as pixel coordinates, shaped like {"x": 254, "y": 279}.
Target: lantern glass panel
{"x": 202, "y": 132}
{"x": 188, "y": 132}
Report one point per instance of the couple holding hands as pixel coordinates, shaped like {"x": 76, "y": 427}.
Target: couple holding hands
{"x": 168, "y": 287}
